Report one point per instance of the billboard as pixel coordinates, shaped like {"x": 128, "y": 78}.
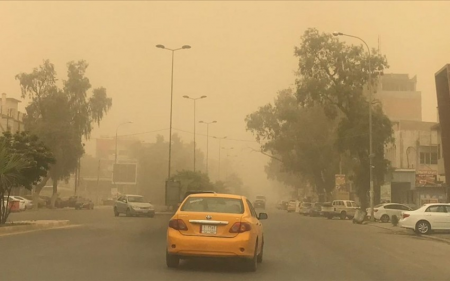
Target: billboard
{"x": 124, "y": 173}
{"x": 426, "y": 178}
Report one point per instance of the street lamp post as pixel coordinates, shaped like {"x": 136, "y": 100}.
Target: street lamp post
{"x": 207, "y": 141}
{"x": 194, "y": 99}
{"x": 220, "y": 148}
{"x": 171, "y": 100}
{"x": 226, "y": 150}
{"x": 115, "y": 152}
{"x": 371, "y": 193}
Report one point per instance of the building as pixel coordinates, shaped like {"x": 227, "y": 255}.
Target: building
{"x": 399, "y": 97}
{"x": 11, "y": 117}
{"x": 415, "y": 154}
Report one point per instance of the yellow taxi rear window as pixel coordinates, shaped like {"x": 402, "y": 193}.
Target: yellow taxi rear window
{"x": 213, "y": 205}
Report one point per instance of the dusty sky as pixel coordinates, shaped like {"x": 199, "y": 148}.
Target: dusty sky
{"x": 242, "y": 54}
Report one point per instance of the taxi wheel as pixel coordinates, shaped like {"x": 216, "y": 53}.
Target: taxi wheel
{"x": 116, "y": 213}
{"x": 151, "y": 215}
{"x": 260, "y": 256}
{"x": 172, "y": 261}
{"x": 128, "y": 213}
{"x": 252, "y": 264}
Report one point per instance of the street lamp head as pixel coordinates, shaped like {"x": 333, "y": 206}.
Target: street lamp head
{"x": 214, "y": 122}
{"x": 201, "y": 122}
{"x": 336, "y": 33}
{"x": 160, "y": 46}
{"x": 186, "y": 47}
{"x": 186, "y": 97}
{"x": 202, "y": 97}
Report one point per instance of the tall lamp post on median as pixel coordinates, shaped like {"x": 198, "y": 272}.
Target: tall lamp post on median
{"x": 371, "y": 193}
{"x": 207, "y": 141}
{"x": 194, "y": 99}
{"x": 220, "y": 148}
{"x": 171, "y": 100}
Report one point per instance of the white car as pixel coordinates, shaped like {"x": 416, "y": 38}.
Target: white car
{"x": 22, "y": 203}
{"x": 28, "y": 203}
{"x": 384, "y": 212}
{"x": 435, "y": 216}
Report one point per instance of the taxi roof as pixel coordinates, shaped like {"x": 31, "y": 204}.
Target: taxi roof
{"x": 221, "y": 195}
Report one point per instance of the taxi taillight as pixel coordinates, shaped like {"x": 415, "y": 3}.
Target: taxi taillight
{"x": 240, "y": 227}
{"x": 177, "y": 224}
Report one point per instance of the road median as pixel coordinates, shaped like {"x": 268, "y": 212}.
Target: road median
{"x": 25, "y": 226}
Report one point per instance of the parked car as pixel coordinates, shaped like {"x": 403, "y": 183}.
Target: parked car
{"x": 340, "y": 208}
{"x": 429, "y": 217}
{"x": 384, "y": 212}
{"x": 22, "y": 202}
{"x": 28, "y": 203}
{"x": 316, "y": 209}
{"x": 84, "y": 203}
{"x": 216, "y": 225}
{"x": 305, "y": 208}
{"x": 282, "y": 205}
{"x": 259, "y": 204}
{"x": 292, "y": 206}
{"x": 41, "y": 202}
{"x": 133, "y": 205}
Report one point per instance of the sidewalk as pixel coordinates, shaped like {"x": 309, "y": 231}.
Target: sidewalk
{"x": 437, "y": 236}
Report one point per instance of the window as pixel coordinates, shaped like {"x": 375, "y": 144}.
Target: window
{"x": 139, "y": 199}
{"x": 429, "y": 158}
{"x": 213, "y": 205}
{"x": 436, "y": 209}
{"x": 252, "y": 210}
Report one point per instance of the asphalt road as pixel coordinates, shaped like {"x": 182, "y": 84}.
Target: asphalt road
{"x": 104, "y": 247}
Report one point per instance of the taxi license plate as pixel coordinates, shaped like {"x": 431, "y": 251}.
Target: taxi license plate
{"x": 208, "y": 229}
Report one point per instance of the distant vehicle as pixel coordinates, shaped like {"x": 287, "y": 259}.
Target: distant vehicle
{"x": 213, "y": 226}
{"x": 282, "y": 205}
{"x": 340, "y": 208}
{"x": 429, "y": 217}
{"x": 133, "y": 205}
{"x": 316, "y": 209}
{"x": 23, "y": 202}
{"x": 41, "y": 201}
{"x": 261, "y": 197}
{"x": 259, "y": 204}
{"x": 84, "y": 203}
{"x": 384, "y": 212}
{"x": 305, "y": 208}
{"x": 292, "y": 206}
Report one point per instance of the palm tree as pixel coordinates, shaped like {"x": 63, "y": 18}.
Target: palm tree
{"x": 11, "y": 166}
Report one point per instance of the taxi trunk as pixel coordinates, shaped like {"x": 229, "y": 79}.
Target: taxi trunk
{"x": 209, "y": 224}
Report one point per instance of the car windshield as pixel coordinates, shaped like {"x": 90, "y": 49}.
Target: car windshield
{"x": 213, "y": 205}
{"x": 137, "y": 199}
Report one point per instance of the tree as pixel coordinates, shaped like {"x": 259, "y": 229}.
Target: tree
{"x": 334, "y": 75}
{"x": 24, "y": 161}
{"x": 301, "y": 139}
{"x": 62, "y": 117}
{"x": 191, "y": 181}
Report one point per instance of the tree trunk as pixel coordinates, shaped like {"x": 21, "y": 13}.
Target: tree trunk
{"x": 37, "y": 190}
{"x": 55, "y": 193}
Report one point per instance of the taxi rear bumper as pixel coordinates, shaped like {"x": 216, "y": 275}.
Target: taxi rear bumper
{"x": 242, "y": 245}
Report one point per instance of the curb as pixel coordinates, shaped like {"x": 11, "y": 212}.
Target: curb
{"x": 35, "y": 225}
{"x": 399, "y": 229}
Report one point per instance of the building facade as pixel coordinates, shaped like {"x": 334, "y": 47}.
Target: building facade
{"x": 11, "y": 118}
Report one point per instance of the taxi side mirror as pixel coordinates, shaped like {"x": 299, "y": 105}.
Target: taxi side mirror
{"x": 263, "y": 216}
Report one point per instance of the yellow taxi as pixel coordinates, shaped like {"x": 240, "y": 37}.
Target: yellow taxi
{"x": 218, "y": 226}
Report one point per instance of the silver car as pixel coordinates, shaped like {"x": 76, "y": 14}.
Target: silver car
{"x": 133, "y": 205}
